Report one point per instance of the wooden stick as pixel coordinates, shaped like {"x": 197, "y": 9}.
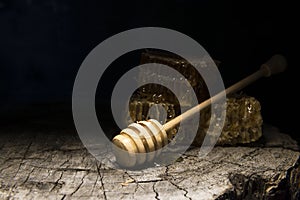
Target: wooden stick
{"x": 275, "y": 65}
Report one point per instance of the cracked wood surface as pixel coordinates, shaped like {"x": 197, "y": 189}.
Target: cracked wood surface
{"x": 57, "y": 166}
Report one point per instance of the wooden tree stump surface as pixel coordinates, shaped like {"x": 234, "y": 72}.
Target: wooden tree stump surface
{"x": 56, "y": 165}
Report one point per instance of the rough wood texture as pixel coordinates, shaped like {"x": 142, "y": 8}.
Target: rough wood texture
{"x": 57, "y": 166}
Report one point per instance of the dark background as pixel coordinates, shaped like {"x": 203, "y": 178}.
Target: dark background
{"x": 43, "y": 42}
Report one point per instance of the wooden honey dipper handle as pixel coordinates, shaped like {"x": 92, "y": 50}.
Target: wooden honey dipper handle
{"x": 276, "y": 64}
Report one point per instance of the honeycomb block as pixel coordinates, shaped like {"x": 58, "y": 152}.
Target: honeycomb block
{"x": 243, "y": 122}
{"x": 243, "y": 118}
